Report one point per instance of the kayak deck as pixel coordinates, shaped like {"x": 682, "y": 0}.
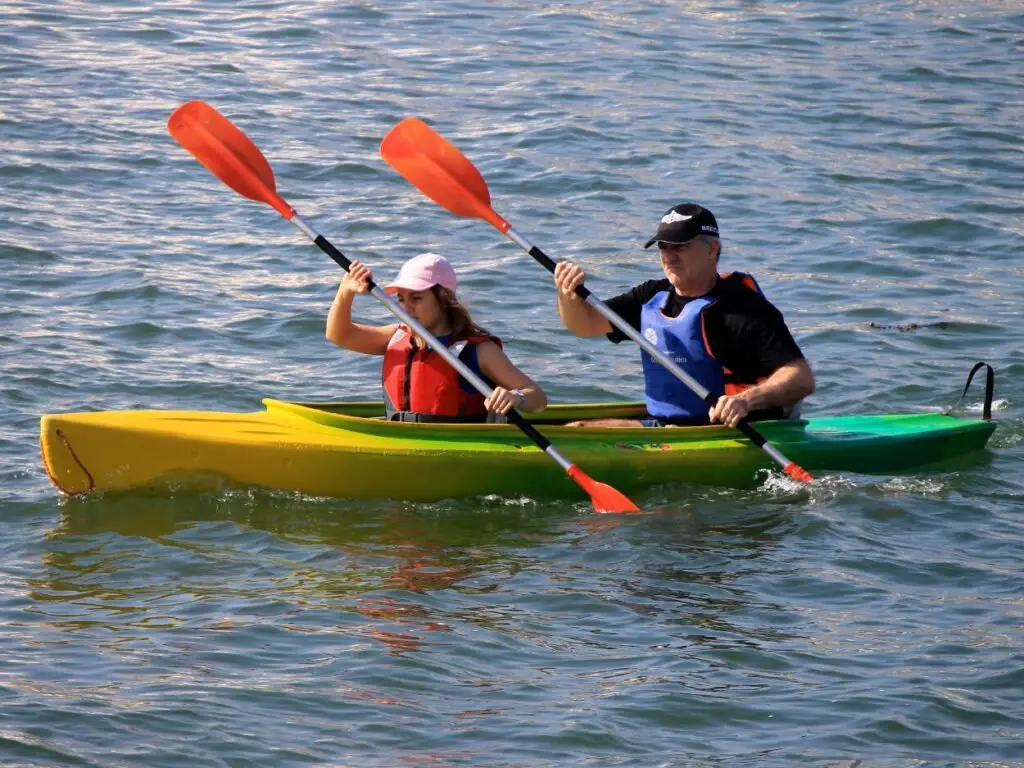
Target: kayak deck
{"x": 342, "y": 450}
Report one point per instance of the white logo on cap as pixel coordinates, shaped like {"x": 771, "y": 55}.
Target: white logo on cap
{"x": 672, "y": 217}
{"x": 651, "y": 335}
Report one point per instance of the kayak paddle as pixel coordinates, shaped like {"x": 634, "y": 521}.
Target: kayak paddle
{"x": 434, "y": 166}
{"x": 233, "y": 158}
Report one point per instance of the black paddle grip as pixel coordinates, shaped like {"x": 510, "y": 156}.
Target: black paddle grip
{"x": 325, "y": 245}
{"x": 755, "y": 437}
{"x": 342, "y": 260}
{"x": 549, "y": 264}
{"x": 515, "y": 417}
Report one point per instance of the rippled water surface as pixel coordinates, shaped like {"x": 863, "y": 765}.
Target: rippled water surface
{"x": 865, "y": 162}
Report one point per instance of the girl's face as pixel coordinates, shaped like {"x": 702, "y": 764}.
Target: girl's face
{"x": 425, "y": 308}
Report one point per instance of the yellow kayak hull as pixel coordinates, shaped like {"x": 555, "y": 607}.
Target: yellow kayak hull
{"x": 339, "y": 450}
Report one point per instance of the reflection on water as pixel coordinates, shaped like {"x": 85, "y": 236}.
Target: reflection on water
{"x": 111, "y": 561}
{"x": 122, "y": 562}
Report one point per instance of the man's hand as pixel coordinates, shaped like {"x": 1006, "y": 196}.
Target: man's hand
{"x": 729, "y": 410}
{"x": 568, "y": 277}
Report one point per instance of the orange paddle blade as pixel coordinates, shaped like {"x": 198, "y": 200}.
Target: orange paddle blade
{"x": 604, "y": 497}
{"x": 436, "y": 168}
{"x": 226, "y": 152}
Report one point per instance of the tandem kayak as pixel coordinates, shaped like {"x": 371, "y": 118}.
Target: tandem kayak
{"x": 347, "y": 450}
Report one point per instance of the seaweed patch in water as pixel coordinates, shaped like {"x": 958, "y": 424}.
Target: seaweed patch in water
{"x": 942, "y": 325}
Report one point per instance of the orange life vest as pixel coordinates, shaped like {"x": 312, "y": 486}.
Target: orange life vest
{"x": 419, "y": 382}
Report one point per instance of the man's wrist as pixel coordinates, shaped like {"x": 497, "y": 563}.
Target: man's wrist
{"x": 749, "y": 400}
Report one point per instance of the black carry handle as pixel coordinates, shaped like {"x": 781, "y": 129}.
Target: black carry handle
{"x": 986, "y": 410}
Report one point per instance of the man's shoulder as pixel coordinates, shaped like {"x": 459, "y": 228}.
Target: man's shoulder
{"x": 746, "y": 332}
{"x": 629, "y": 305}
{"x": 739, "y": 292}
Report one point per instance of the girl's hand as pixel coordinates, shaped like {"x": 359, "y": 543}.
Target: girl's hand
{"x": 502, "y": 401}
{"x": 357, "y": 279}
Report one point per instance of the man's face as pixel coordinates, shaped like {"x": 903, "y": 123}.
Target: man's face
{"x": 690, "y": 268}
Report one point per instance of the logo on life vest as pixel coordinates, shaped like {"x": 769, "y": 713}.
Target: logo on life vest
{"x": 672, "y": 217}
{"x": 651, "y": 335}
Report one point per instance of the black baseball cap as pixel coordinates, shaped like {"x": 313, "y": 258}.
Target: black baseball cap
{"x": 681, "y": 223}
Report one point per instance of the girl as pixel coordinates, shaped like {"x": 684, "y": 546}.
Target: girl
{"x": 419, "y": 385}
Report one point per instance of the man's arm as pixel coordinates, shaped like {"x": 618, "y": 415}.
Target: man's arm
{"x": 789, "y": 384}
{"x": 579, "y": 317}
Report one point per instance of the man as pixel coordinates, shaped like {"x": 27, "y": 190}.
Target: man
{"x": 719, "y": 328}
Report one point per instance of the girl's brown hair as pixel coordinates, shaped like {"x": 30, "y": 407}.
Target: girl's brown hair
{"x": 458, "y": 318}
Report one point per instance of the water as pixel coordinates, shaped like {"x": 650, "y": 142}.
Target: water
{"x": 865, "y": 163}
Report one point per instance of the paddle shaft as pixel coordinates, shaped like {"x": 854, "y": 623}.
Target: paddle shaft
{"x": 396, "y": 309}
{"x": 612, "y": 317}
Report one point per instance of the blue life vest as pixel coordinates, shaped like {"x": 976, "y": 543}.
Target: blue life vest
{"x": 681, "y": 339}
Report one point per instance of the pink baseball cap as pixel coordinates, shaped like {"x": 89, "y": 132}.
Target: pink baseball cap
{"x": 423, "y": 272}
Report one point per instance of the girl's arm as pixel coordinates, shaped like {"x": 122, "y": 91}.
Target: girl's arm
{"x": 367, "y": 339}
{"x": 506, "y": 377}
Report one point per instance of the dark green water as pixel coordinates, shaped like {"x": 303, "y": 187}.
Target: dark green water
{"x": 865, "y": 163}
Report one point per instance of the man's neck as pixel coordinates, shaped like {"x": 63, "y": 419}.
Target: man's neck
{"x": 689, "y": 295}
